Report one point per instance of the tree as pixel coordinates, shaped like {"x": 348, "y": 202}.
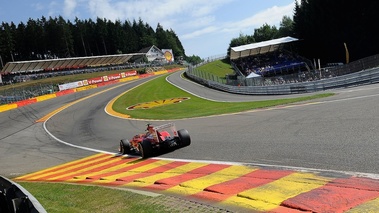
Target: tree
{"x": 101, "y": 35}
{"x": 79, "y": 33}
{"x": 7, "y": 42}
{"x": 57, "y": 38}
{"x": 266, "y": 32}
{"x": 131, "y": 38}
{"x": 194, "y": 60}
{"x": 286, "y": 27}
{"x": 167, "y": 39}
{"x": 162, "y": 37}
{"x": 20, "y": 44}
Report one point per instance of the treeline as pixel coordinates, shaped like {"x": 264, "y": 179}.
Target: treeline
{"x": 264, "y": 33}
{"x": 327, "y": 29}
{"x": 59, "y": 38}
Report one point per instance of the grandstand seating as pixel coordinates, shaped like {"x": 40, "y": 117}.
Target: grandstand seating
{"x": 271, "y": 64}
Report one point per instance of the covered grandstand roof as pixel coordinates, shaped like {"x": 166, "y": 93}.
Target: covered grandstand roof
{"x": 259, "y": 47}
{"x": 64, "y": 63}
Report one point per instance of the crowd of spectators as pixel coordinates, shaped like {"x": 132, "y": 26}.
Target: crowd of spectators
{"x": 270, "y": 64}
{"x": 309, "y": 76}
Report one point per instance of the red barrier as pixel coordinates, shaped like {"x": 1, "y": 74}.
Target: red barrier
{"x": 173, "y": 70}
{"x": 107, "y": 83}
{"x": 145, "y": 75}
{"x": 65, "y": 92}
{"x": 93, "y": 80}
{"x": 26, "y": 102}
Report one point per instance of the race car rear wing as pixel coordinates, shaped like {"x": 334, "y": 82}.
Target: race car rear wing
{"x": 166, "y": 126}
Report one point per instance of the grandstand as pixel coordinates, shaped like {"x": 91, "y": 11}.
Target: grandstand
{"x": 267, "y": 59}
{"x": 20, "y": 71}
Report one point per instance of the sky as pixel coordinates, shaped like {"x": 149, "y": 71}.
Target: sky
{"x": 205, "y": 27}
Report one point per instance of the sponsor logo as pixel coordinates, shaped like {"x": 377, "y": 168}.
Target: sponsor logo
{"x": 152, "y": 104}
{"x": 168, "y": 56}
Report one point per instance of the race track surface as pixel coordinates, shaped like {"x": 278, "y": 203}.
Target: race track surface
{"x": 335, "y": 136}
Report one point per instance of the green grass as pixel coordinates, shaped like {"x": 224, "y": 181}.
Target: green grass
{"x": 61, "y": 198}
{"x": 219, "y": 68}
{"x": 160, "y": 89}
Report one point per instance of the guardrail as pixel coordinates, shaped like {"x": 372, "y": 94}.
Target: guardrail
{"x": 369, "y": 76}
{"x": 14, "y": 198}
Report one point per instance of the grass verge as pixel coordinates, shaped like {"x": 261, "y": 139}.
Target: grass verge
{"x": 61, "y": 198}
{"x": 219, "y": 68}
{"x": 158, "y": 92}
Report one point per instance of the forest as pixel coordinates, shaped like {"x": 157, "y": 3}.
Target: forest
{"x": 328, "y": 30}
{"x": 332, "y": 31}
{"x": 49, "y": 38}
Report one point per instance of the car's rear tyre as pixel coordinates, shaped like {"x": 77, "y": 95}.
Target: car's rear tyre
{"x": 184, "y": 137}
{"x": 145, "y": 149}
{"x": 124, "y": 147}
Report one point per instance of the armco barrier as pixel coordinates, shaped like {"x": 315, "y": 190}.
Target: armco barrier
{"x": 370, "y": 76}
{"x": 14, "y": 198}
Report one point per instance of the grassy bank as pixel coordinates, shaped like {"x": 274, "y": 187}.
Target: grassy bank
{"x": 159, "y": 90}
{"x": 219, "y": 68}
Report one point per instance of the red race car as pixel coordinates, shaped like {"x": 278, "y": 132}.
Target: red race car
{"x": 156, "y": 138}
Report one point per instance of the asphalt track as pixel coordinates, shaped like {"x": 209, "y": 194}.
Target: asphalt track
{"x": 336, "y": 136}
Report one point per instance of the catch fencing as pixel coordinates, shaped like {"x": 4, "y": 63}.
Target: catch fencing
{"x": 364, "y": 71}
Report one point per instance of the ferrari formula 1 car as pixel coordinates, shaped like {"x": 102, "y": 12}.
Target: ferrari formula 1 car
{"x": 163, "y": 137}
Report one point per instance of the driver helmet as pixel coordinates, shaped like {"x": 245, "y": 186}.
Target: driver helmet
{"x": 149, "y": 127}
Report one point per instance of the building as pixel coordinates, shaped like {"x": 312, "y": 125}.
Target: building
{"x": 154, "y": 54}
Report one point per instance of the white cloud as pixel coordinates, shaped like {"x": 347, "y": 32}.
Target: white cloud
{"x": 274, "y": 15}
{"x": 152, "y": 11}
{"x": 216, "y": 36}
{"x": 270, "y": 16}
{"x": 53, "y": 9}
{"x": 201, "y": 20}
{"x": 198, "y": 33}
{"x": 38, "y": 6}
{"x": 69, "y": 8}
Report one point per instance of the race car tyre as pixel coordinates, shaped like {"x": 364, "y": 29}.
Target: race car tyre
{"x": 145, "y": 149}
{"x": 125, "y": 147}
{"x": 184, "y": 137}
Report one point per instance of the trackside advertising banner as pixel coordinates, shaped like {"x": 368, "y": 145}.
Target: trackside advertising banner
{"x": 71, "y": 85}
{"x": 97, "y": 80}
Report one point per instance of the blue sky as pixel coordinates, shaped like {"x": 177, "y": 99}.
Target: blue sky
{"x": 205, "y": 27}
